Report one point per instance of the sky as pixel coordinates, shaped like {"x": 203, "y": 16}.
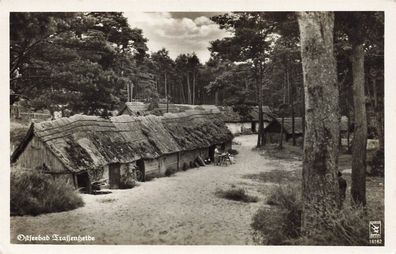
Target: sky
{"x": 178, "y": 32}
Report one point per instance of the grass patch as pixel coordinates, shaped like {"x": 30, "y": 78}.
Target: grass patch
{"x": 276, "y": 176}
{"x": 237, "y": 194}
{"x": 281, "y": 224}
{"x": 34, "y": 193}
{"x": 284, "y": 195}
{"x": 107, "y": 200}
{"x": 288, "y": 152}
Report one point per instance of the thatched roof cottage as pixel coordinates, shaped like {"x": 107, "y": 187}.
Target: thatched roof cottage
{"x": 273, "y": 129}
{"x": 137, "y": 108}
{"x": 83, "y": 148}
{"x": 236, "y": 122}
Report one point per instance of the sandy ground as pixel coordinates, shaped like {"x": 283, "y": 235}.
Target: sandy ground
{"x": 181, "y": 209}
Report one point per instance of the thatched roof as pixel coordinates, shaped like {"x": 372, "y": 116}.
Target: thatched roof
{"x": 287, "y": 127}
{"x": 230, "y": 115}
{"x": 143, "y": 108}
{"x": 86, "y": 142}
{"x": 298, "y": 124}
{"x": 191, "y": 131}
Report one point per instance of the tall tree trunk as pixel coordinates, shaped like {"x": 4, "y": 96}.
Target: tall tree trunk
{"x": 260, "y": 111}
{"x": 291, "y": 96}
{"x": 166, "y": 92}
{"x": 281, "y": 132}
{"x": 263, "y": 140}
{"x": 188, "y": 89}
{"x": 379, "y": 113}
{"x": 217, "y": 97}
{"x": 359, "y": 145}
{"x": 303, "y": 117}
{"x": 320, "y": 164}
{"x": 193, "y": 89}
{"x": 183, "y": 96}
{"x": 348, "y": 134}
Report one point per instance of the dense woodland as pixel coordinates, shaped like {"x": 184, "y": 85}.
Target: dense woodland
{"x": 315, "y": 65}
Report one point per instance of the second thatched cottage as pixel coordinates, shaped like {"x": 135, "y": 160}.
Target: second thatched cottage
{"x": 82, "y": 149}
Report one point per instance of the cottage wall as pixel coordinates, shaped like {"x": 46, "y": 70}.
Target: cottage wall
{"x": 168, "y": 162}
{"x": 152, "y": 167}
{"x": 36, "y": 154}
{"x": 188, "y": 157}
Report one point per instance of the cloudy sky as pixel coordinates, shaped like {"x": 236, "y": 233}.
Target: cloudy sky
{"x": 178, "y": 32}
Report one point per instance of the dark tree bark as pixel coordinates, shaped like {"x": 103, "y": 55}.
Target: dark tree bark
{"x": 348, "y": 134}
{"x": 183, "y": 96}
{"x": 320, "y": 164}
{"x": 259, "y": 87}
{"x": 291, "y": 91}
{"x": 188, "y": 89}
{"x": 193, "y": 88}
{"x": 303, "y": 117}
{"x": 281, "y": 132}
{"x": 358, "y": 188}
{"x": 379, "y": 113}
{"x": 166, "y": 92}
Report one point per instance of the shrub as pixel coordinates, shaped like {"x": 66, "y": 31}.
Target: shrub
{"x": 34, "y": 193}
{"x": 170, "y": 171}
{"x": 233, "y": 151}
{"x": 344, "y": 227}
{"x": 127, "y": 180}
{"x": 276, "y": 225}
{"x": 237, "y": 194}
{"x": 107, "y": 200}
{"x": 281, "y": 224}
{"x": 377, "y": 163}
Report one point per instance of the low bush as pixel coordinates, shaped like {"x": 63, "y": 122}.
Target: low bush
{"x": 34, "y": 193}
{"x": 277, "y": 225}
{"x": 233, "y": 151}
{"x": 107, "y": 200}
{"x": 281, "y": 224}
{"x": 127, "y": 180}
{"x": 344, "y": 227}
{"x": 377, "y": 163}
{"x": 170, "y": 171}
{"x": 237, "y": 194}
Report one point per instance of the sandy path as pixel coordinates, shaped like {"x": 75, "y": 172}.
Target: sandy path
{"x": 181, "y": 209}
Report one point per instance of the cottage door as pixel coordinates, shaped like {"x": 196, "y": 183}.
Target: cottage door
{"x": 114, "y": 175}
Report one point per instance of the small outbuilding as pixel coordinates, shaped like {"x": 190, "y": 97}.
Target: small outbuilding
{"x": 83, "y": 149}
{"x": 273, "y": 129}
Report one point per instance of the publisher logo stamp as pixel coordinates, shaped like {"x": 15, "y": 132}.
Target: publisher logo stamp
{"x": 375, "y": 232}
